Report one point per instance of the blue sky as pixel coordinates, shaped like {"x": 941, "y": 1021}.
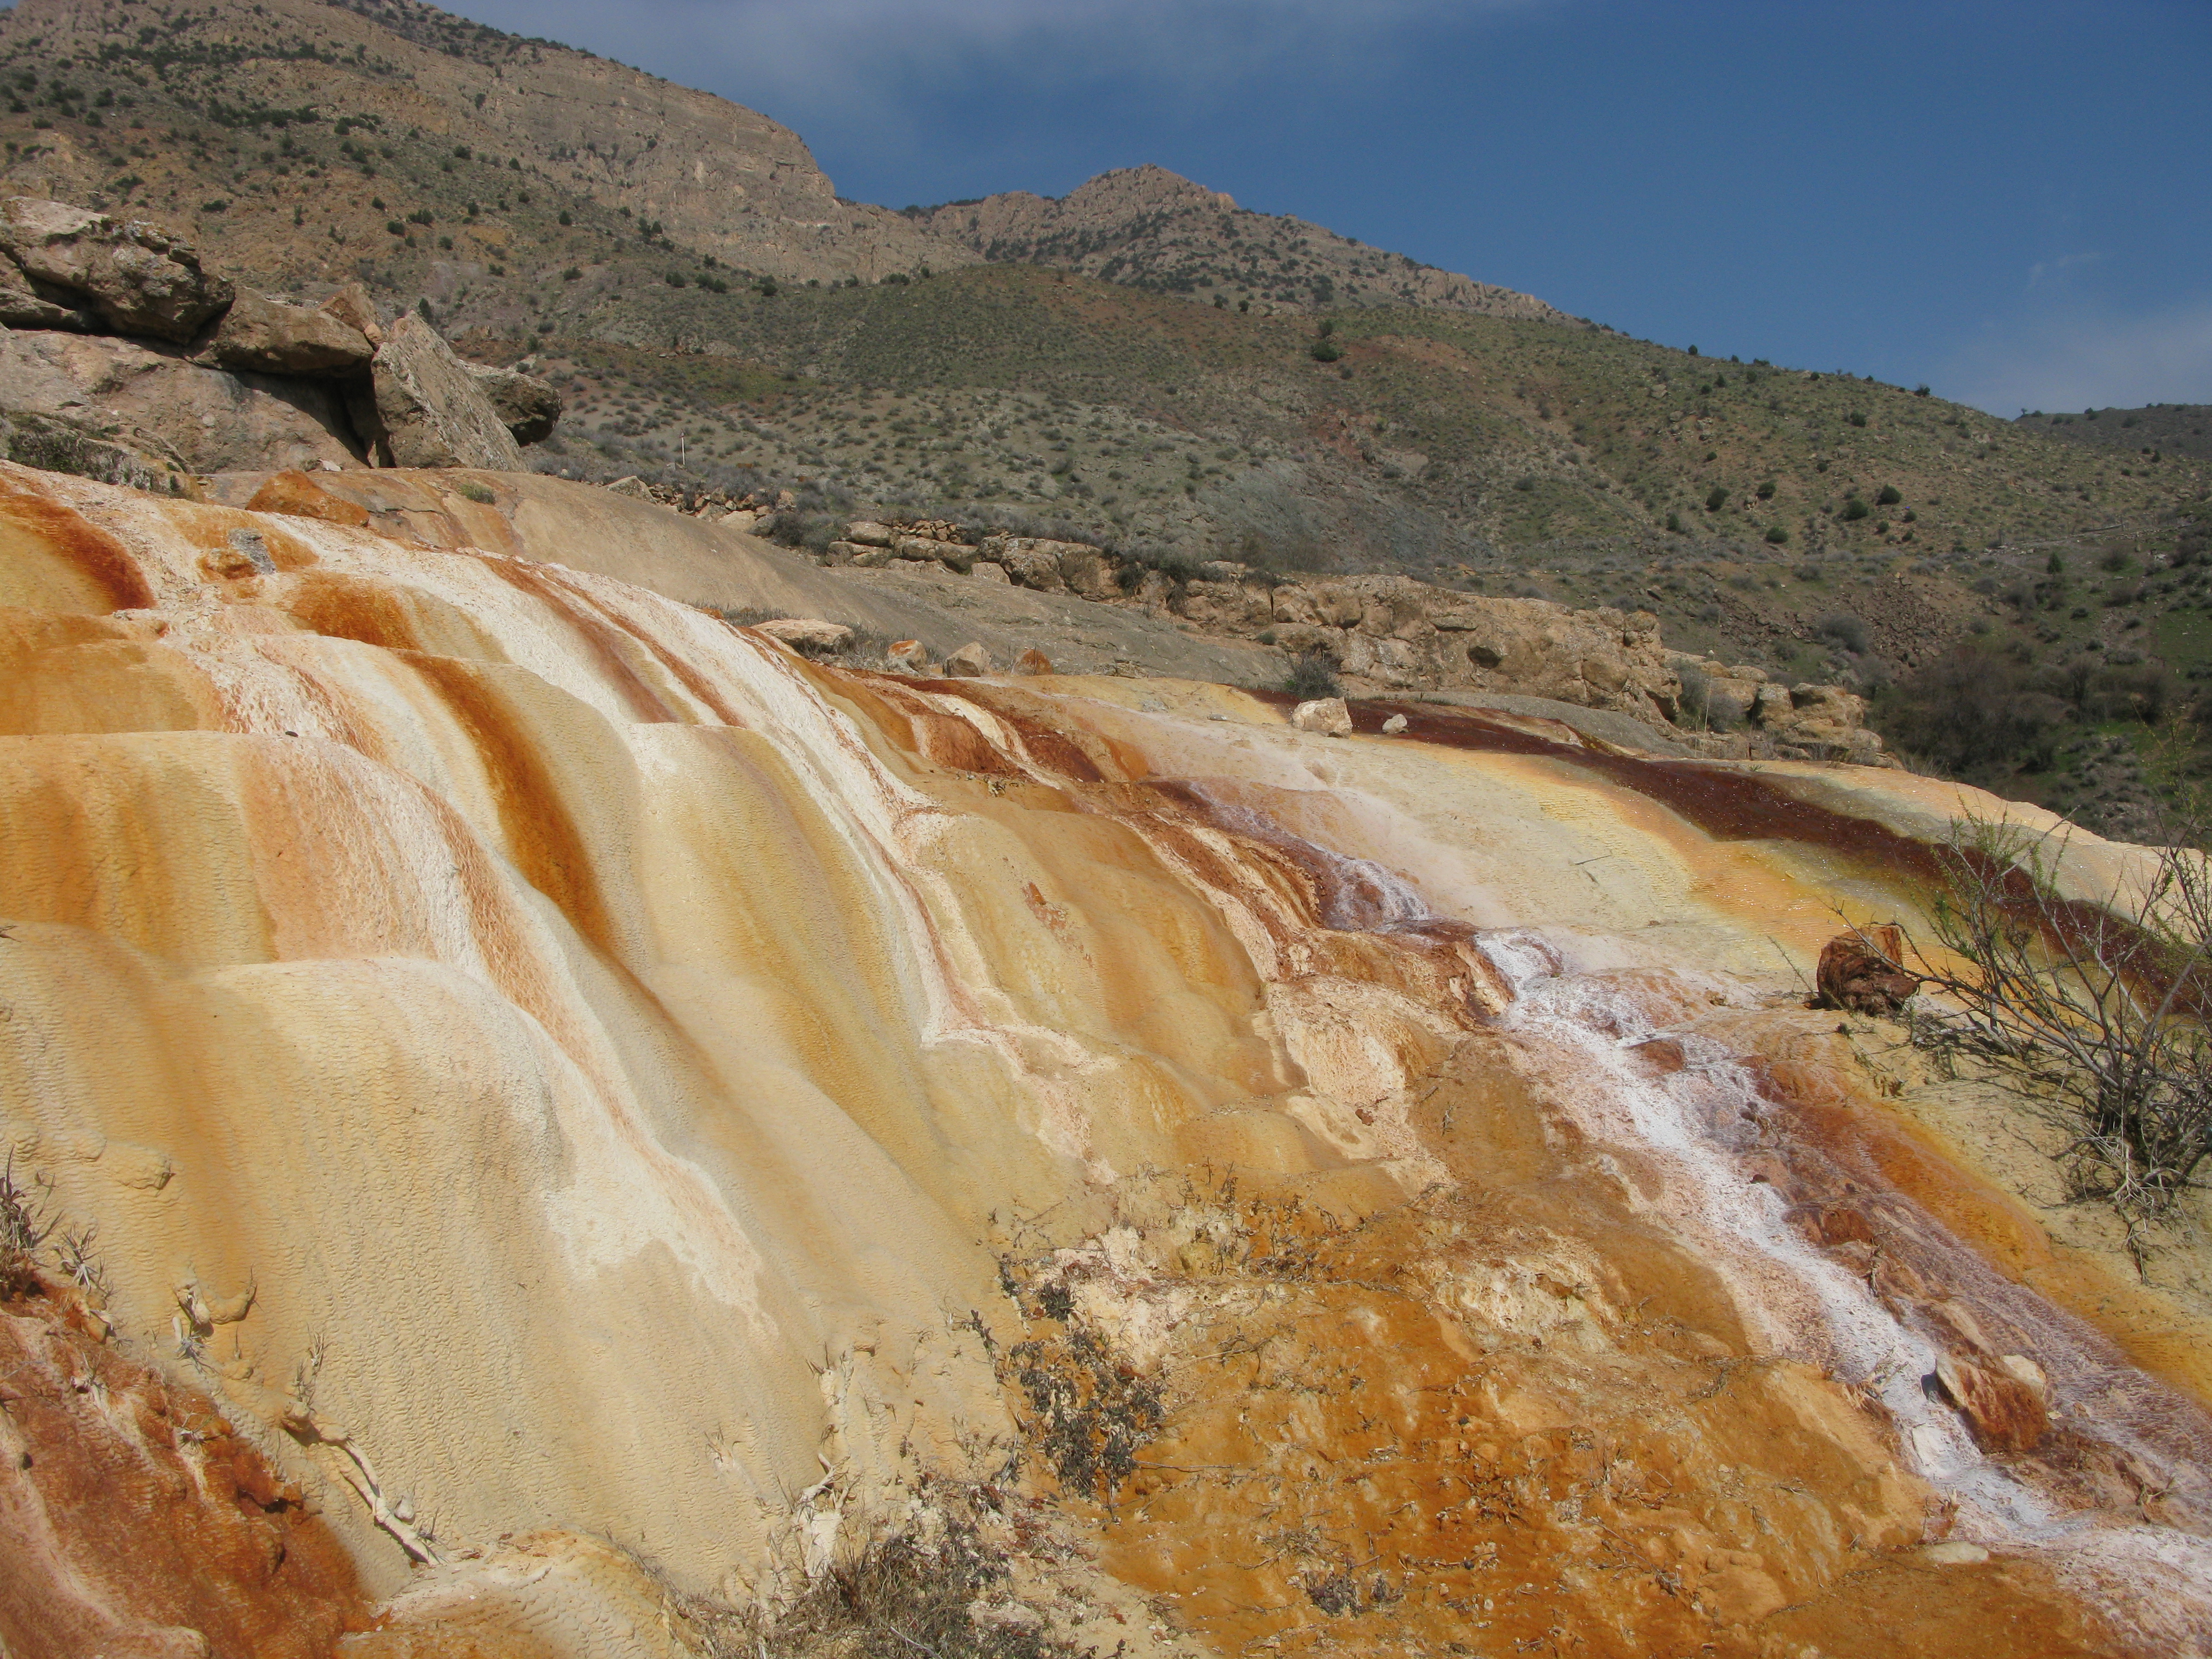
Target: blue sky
{"x": 2012, "y": 203}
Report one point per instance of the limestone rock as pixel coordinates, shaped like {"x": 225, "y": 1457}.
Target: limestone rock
{"x": 1033, "y": 661}
{"x": 134, "y": 276}
{"x": 157, "y": 403}
{"x": 970, "y": 662}
{"x": 986, "y": 570}
{"x": 1953, "y": 1553}
{"x": 907, "y": 656}
{"x": 1327, "y": 715}
{"x": 528, "y": 405}
{"x": 351, "y": 306}
{"x": 1862, "y": 971}
{"x": 1030, "y": 563}
{"x": 807, "y": 634}
{"x": 633, "y": 486}
{"x": 954, "y": 555}
{"x": 1393, "y": 725}
{"x": 2004, "y": 1414}
{"x": 429, "y": 409}
{"x": 22, "y": 306}
{"x": 273, "y": 336}
{"x": 2024, "y": 1370}
{"x": 868, "y": 533}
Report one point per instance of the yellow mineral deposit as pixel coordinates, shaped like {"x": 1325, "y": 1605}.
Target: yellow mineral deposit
{"x": 614, "y": 1113}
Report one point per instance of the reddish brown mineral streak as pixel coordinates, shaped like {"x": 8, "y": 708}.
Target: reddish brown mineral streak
{"x": 133, "y": 1521}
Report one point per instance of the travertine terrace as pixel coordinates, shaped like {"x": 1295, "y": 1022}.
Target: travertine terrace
{"x": 611, "y": 1109}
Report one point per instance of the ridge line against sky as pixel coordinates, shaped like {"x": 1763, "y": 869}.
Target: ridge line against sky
{"x": 2008, "y": 202}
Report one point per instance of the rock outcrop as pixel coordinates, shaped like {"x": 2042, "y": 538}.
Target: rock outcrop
{"x": 175, "y": 415}
{"x": 527, "y": 406}
{"x": 273, "y": 336}
{"x": 122, "y": 359}
{"x": 88, "y": 270}
{"x": 1386, "y": 634}
{"x": 426, "y": 410}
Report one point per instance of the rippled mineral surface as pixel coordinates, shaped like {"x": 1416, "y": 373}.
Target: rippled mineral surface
{"x": 578, "y": 1124}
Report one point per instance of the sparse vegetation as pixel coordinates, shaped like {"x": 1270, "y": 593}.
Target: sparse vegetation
{"x": 1313, "y": 674}
{"x": 24, "y": 1229}
{"x": 2094, "y": 1011}
{"x": 898, "y": 1592}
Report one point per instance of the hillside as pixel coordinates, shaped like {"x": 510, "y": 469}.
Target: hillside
{"x": 1152, "y": 229}
{"x": 715, "y": 315}
{"x": 2165, "y": 429}
{"x": 287, "y": 133}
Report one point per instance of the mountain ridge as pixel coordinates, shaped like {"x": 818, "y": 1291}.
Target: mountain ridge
{"x": 1150, "y": 227}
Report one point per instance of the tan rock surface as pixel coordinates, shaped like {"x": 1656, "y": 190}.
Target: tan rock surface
{"x": 430, "y": 410}
{"x": 274, "y": 336}
{"x": 136, "y": 278}
{"x": 205, "y": 419}
{"x": 613, "y": 1065}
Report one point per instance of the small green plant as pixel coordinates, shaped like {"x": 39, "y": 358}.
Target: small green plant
{"x": 1765, "y": 490}
{"x": 1854, "y": 510}
{"x": 1313, "y": 675}
{"x": 1845, "y": 629}
{"x": 1716, "y": 499}
{"x": 1856, "y": 417}
{"x": 571, "y": 275}
{"x": 1778, "y": 535}
{"x": 1326, "y": 350}
{"x": 1888, "y": 495}
{"x": 479, "y": 493}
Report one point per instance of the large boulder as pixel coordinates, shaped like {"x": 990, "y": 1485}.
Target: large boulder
{"x": 23, "y": 305}
{"x": 136, "y": 278}
{"x": 156, "y": 403}
{"x": 527, "y": 404}
{"x": 428, "y": 409}
{"x": 807, "y": 634}
{"x": 1328, "y": 716}
{"x": 271, "y": 336}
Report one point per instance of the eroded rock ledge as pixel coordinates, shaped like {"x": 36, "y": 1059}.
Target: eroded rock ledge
{"x": 122, "y": 359}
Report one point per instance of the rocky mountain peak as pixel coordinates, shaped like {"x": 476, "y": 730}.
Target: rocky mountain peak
{"x": 1150, "y": 227}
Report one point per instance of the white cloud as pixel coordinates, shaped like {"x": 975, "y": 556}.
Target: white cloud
{"x": 2087, "y": 360}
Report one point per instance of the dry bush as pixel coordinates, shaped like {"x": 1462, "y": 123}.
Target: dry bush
{"x": 24, "y": 1231}
{"x": 942, "y": 1594}
{"x": 2096, "y": 1012}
